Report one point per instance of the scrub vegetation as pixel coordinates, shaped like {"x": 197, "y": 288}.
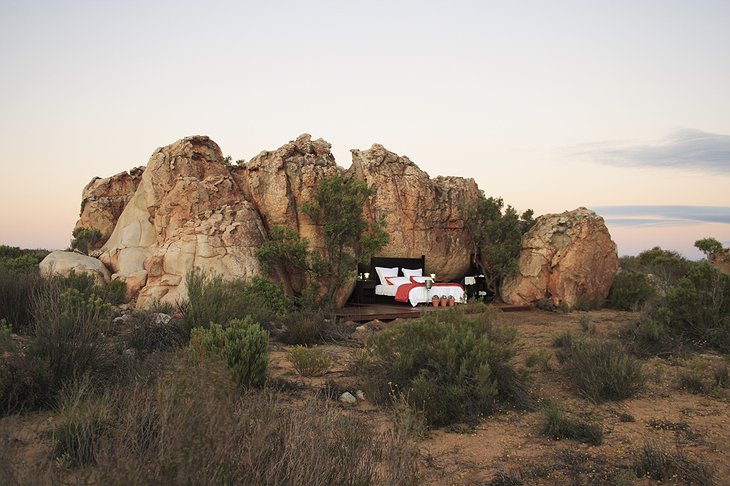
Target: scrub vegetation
{"x": 94, "y": 391}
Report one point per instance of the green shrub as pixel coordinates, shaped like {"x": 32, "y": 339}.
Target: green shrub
{"x": 697, "y": 309}
{"x": 83, "y": 420}
{"x": 114, "y": 292}
{"x": 243, "y": 345}
{"x": 152, "y": 334}
{"x": 630, "y": 290}
{"x": 558, "y": 425}
{"x": 16, "y": 292}
{"x": 658, "y": 463}
{"x": 539, "y": 357}
{"x": 69, "y": 335}
{"x": 17, "y": 260}
{"x": 450, "y": 365}
{"x": 308, "y": 327}
{"x": 24, "y": 382}
{"x": 603, "y": 370}
{"x": 721, "y": 375}
{"x": 213, "y": 299}
{"x": 308, "y": 361}
{"x": 564, "y": 340}
{"x": 546, "y": 305}
{"x": 86, "y": 239}
{"x": 666, "y": 267}
{"x": 693, "y": 381}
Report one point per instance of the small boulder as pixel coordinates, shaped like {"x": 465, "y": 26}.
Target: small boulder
{"x": 62, "y": 263}
{"x": 348, "y": 398}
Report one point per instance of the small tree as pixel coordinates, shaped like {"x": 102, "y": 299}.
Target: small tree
{"x": 497, "y": 232}
{"x": 337, "y": 207}
{"x": 709, "y": 246}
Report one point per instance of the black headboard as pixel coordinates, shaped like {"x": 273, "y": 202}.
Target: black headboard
{"x": 390, "y": 262}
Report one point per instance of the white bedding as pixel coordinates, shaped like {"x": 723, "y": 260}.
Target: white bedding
{"x": 422, "y": 295}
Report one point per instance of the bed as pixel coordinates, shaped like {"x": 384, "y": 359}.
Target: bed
{"x": 404, "y": 280}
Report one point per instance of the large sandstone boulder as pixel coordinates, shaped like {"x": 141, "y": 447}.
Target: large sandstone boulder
{"x": 103, "y": 200}
{"x": 63, "y": 263}
{"x": 567, "y": 258}
{"x": 187, "y": 212}
{"x": 424, "y": 216}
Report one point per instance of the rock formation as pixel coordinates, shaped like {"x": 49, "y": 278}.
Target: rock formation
{"x": 103, "y": 200}
{"x": 424, "y": 216}
{"x": 721, "y": 261}
{"x": 568, "y": 258}
{"x": 279, "y": 182}
{"x": 64, "y": 262}
{"x": 187, "y": 212}
{"x": 189, "y": 209}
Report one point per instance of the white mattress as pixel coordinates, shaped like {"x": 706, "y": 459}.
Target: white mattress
{"x": 422, "y": 295}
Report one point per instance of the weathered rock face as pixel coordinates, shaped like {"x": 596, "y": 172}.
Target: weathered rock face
{"x": 279, "y": 182}
{"x": 423, "y": 215}
{"x": 103, "y": 201}
{"x": 187, "y": 212}
{"x": 62, "y": 263}
{"x": 565, "y": 257}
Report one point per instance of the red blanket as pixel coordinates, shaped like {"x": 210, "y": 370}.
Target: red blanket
{"x": 401, "y": 295}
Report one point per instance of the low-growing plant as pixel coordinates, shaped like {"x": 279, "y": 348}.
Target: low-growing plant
{"x": 693, "y": 380}
{"x": 69, "y": 335}
{"x": 308, "y": 327}
{"x": 561, "y": 425}
{"x": 114, "y": 292}
{"x": 448, "y": 364}
{"x": 564, "y": 340}
{"x": 213, "y": 299}
{"x": 193, "y": 426}
{"x": 545, "y": 305}
{"x": 309, "y": 361}
{"x": 16, "y": 292}
{"x": 243, "y": 345}
{"x": 24, "y": 382}
{"x": 539, "y": 357}
{"x": 83, "y": 420}
{"x": 661, "y": 464}
{"x": 153, "y": 332}
{"x": 630, "y": 290}
{"x": 585, "y": 324}
{"x": 603, "y": 370}
{"x": 721, "y": 375}
{"x": 697, "y": 309}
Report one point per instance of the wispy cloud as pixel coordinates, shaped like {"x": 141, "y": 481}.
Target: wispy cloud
{"x": 684, "y": 149}
{"x": 663, "y": 215}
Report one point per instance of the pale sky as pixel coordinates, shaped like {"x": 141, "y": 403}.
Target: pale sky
{"x": 551, "y": 105}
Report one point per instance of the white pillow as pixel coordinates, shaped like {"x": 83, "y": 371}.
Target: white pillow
{"x": 398, "y": 281}
{"x": 407, "y": 272}
{"x": 420, "y": 279}
{"x": 386, "y": 272}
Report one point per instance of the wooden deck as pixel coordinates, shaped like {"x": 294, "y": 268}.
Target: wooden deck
{"x": 388, "y": 312}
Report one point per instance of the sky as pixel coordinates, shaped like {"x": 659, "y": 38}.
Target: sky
{"x": 622, "y": 106}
